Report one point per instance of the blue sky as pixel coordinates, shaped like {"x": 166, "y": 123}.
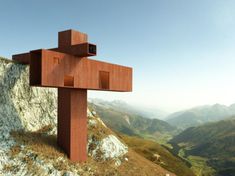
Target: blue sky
{"x": 182, "y": 52}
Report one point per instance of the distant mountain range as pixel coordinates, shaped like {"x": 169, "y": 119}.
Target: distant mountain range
{"x": 122, "y": 118}
{"x": 206, "y": 141}
{"x": 200, "y": 115}
{"x": 214, "y": 141}
{"x": 151, "y": 113}
{"x": 149, "y": 121}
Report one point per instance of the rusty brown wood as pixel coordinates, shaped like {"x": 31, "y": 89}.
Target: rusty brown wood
{"x": 56, "y": 67}
{"x": 73, "y": 139}
{"x": 68, "y": 68}
{"x": 79, "y": 50}
{"x": 21, "y": 58}
{"x": 71, "y": 37}
{"x": 72, "y": 122}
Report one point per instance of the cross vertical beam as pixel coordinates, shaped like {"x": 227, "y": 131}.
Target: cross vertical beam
{"x": 72, "y": 108}
{"x": 72, "y": 122}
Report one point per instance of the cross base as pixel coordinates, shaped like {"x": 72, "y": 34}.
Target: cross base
{"x": 72, "y": 123}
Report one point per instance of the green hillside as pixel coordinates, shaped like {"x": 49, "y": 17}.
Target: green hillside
{"x": 135, "y": 130}
{"x": 130, "y": 123}
{"x": 158, "y": 154}
{"x": 215, "y": 142}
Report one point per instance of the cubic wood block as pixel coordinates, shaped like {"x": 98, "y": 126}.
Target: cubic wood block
{"x": 52, "y": 69}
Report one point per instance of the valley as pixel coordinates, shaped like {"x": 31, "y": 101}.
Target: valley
{"x": 204, "y": 148}
{"x": 131, "y": 123}
{"x": 211, "y": 146}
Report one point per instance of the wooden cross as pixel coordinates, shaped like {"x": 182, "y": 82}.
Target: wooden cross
{"x": 68, "y": 69}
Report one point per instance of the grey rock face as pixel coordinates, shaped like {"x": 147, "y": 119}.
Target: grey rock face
{"x": 22, "y": 106}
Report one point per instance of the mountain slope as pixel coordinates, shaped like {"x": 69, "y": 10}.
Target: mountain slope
{"x": 158, "y": 154}
{"x": 214, "y": 141}
{"x": 131, "y": 123}
{"x": 200, "y": 115}
{"x": 134, "y": 126}
{"x": 28, "y": 135}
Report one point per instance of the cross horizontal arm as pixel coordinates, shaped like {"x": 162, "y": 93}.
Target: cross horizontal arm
{"x": 54, "y": 69}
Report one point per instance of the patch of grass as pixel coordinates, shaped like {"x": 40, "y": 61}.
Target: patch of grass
{"x": 40, "y": 146}
{"x": 181, "y": 153}
{"x": 200, "y": 167}
{"x": 45, "y": 129}
{"x": 6, "y": 60}
{"x": 99, "y": 131}
{"x": 15, "y": 150}
{"x": 147, "y": 149}
{"x": 11, "y": 168}
{"x": 159, "y": 138}
{"x": 39, "y": 143}
{"x": 136, "y": 165}
{"x": 198, "y": 164}
{"x": 32, "y": 167}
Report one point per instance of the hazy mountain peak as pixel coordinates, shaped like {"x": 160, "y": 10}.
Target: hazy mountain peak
{"x": 201, "y": 114}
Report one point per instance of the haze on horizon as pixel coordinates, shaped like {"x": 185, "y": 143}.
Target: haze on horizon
{"x": 182, "y": 52}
